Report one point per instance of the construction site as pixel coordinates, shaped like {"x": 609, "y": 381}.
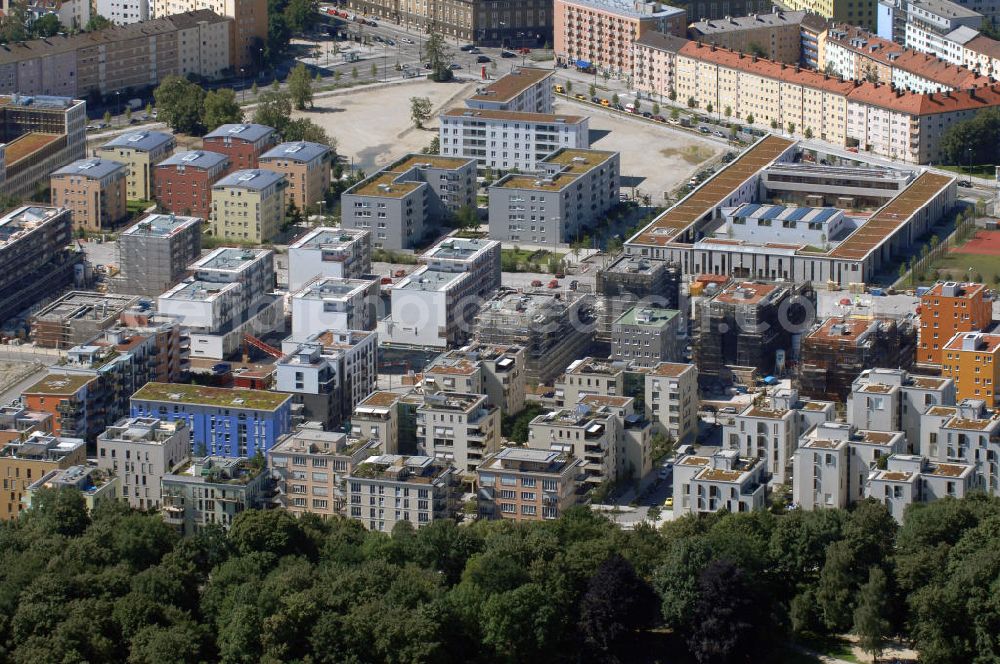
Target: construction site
{"x": 632, "y": 280}
{"x": 553, "y": 328}
{"x": 744, "y": 329}
{"x": 840, "y": 348}
{"x": 77, "y": 317}
{"x": 154, "y": 254}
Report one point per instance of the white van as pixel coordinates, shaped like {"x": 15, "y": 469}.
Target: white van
{"x": 630, "y": 108}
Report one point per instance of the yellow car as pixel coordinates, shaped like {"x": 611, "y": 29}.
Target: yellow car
{"x": 559, "y": 89}
{"x": 581, "y": 97}
{"x": 605, "y": 102}
{"x": 669, "y": 502}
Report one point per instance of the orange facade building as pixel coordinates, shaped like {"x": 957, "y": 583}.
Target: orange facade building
{"x": 947, "y": 309}
{"x": 972, "y": 360}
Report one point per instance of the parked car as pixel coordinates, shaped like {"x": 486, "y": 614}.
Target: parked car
{"x": 703, "y": 130}
{"x": 580, "y": 96}
{"x": 455, "y": 65}
{"x": 560, "y": 275}
{"x": 524, "y": 51}
{"x": 406, "y": 40}
{"x": 659, "y": 118}
{"x": 390, "y": 42}
{"x": 728, "y": 410}
{"x": 647, "y": 114}
{"x": 559, "y": 89}
{"x": 595, "y": 99}
{"x": 553, "y": 284}
{"x": 719, "y": 133}
{"x": 573, "y": 285}
{"x": 467, "y": 47}
{"x": 605, "y": 103}
{"x": 400, "y": 273}
{"x": 535, "y": 283}
{"x": 474, "y": 51}
{"x": 507, "y": 54}
{"x": 669, "y": 503}
{"x": 965, "y": 183}
{"x": 482, "y": 59}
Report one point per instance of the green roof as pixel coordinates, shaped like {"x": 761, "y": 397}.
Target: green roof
{"x": 655, "y": 316}
{"x": 211, "y": 396}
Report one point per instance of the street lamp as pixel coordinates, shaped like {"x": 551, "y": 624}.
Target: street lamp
{"x": 243, "y": 78}
{"x": 118, "y": 104}
{"x": 319, "y": 212}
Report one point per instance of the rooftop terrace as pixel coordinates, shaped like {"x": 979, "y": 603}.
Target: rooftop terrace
{"x": 236, "y": 398}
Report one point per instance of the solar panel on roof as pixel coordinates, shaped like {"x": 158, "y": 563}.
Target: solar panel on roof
{"x": 772, "y": 212}
{"x": 798, "y": 214}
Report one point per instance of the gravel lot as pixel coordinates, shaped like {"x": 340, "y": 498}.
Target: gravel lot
{"x": 372, "y": 125}
{"x": 654, "y": 157}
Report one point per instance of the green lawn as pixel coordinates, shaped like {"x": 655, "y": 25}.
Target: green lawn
{"x": 956, "y": 266}
{"x": 987, "y": 171}
{"x": 830, "y": 646}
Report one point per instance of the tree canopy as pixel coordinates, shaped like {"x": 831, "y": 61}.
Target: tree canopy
{"x": 974, "y": 141}
{"x": 119, "y": 585}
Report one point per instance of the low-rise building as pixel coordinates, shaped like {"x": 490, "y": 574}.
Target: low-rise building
{"x": 140, "y": 151}
{"x": 310, "y": 468}
{"x": 22, "y": 462}
{"x": 69, "y": 398}
{"x": 584, "y": 433}
{"x": 212, "y": 491}
{"x": 404, "y": 203}
{"x": 523, "y": 89}
{"x": 566, "y": 200}
{"x": 155, "y": 252}
{"x": 225, "y": 422}
{"x": 459, "y": 429}
{"x": 646, "y": 336}
{"x": 966, "y": 433}
{"x": 96, "y": 486}
{"x": 342, "y": 253}
{"x": 722, "y": 481}
{"x": 523, "y": 484}
{"x": 306, "y": 167}
{"x": 508, "y": 140}
{"x": 335, "y": 303}
{"x": 183, "y": 182}
{"x": 248, "y": 205}
{"x": 140, "y": 451}
{"x": 671, "y": 398}
{"x": 242, "y": 143}
{"x": 77, "y": 317}
{"x": 388, "y": 489}
{"x": 909, "y": 479}
{"x": 94, "y": 189}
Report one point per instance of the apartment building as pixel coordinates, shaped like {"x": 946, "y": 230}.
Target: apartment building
{"x": 332, "y": 303}
{"x": 140, "y": 451}
{"x": 654, "y": 63}
{"x": 76, "y": 318}
{"x": 123, "y": 12}
{"x": 768, "y": 432}
{"x": 523, "y": 484}
{"x": 909, "y": 479}
{"x": 249, "y": 206}
{"x": 436, "y": 304}
{"x": 140, "y": 151}
{"x": 68, "y": 398}
{"x": 522, "y": 90}
{"x": 634, "y": 456}
{"x": 230, "y": 293}
{"x": 306, "y": 167}
{"x": 508, "y": 140}
{"x": 590, "y": 434}
{"x": 775, "y": 36}
{"x": 723, "y": 480}
{"x": 486, "y": 22}
{"x": 857, "y": 12}
{"x": 459, "y": 429}
{"x": 388, "y": 489}
{"x": 129, "y": 57}
{"x": 928, "y": 22}
{"x": 966, "y": 433}
{"x": 310, "y": 468}
{"x": 328, "y": 375}
{"x": 242, "y": 143}
{"x": 39, "y": 134}
{"x": 599, "y": 33}
{"x": 72, "y": 14}
{"x": 972, "y": 360}
{"x": 647, "y": 336}
{"x": 155, "y": 252}
{"x": 564, "y": 201}
{"x": 22, "y": 462}
{"x": 248, "y": 30}
{"x": 93, "y": 190}
{"x": 947, "y": 309}
{"x": 590, "y": 376}
{"x": 95, "y": 485}
{"x": 895, "y": 400}
{"x": 341, "y": 253}
{"x": 377, "y": 417}
{"x": 184, "y": 182}
{"x": 671, "y": 398}
{"x": 229, "y": 422}
{"x": 17, "y": 423}
{"x": 35, "y": 252}
{"x": 404, "y": 203}
{"x": 496, "y": 371}
{"x": 821, "y": 468}
{"x": 212, "y": 491}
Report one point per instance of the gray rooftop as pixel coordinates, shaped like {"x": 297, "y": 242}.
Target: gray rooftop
{"x": 194, "y": 159}
{"x": 661, "y": 41}
{"x": 456, "y": 248}
{"x": 734, "y": 23}
{"x": 228, "y": 258}
{"x": 431, "y": 280}
{"x": 328, "y": 238}
{"x": 140, "y": 140}
{"x": 15, "y": 224}
{"x": 303, "y": 151}
{"x": 631, "y": 8}
{"x": 333, "y": 287}
{"x": 945, "y": 8}
{"x": 161, "y": 225}
{"x": 251, "y": 178}
{"x": 245, "y": 132}
{"x": 94, "y": 169}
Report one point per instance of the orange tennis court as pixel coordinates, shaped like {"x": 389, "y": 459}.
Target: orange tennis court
{"x": 984, "y": 243}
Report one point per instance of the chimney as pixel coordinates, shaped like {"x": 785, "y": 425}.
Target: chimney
{"x": 930, "y": 96}
{"x": 754, "y": 59}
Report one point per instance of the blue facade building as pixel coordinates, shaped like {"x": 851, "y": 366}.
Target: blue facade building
{"x": 223, "y": 421}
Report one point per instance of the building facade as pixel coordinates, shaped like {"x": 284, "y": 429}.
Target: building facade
{"x": 94, "y": 190}
{"x": 155, "y": 252}
{"x": 22, "y": 462}
{"x": 947, "y": 309}
{"x": 184, "y": 182}
{"x": 306, "y": 167}
{"x": 242, "y": 143}
{"x": 140, "y": 452}
{"x": 140, "y": 151}
{"x": 212, "y": 491}
{"x": 248, "y": 206}
{"x": 388, "y": 489}
{"x": 527, "y": 485}
{"x": 341, "y": 253}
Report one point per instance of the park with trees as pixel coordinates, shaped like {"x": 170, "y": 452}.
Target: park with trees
{"x": 120, "y": 585}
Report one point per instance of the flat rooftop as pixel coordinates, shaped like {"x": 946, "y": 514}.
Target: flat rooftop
{"x": 228, "y": 259}
{"x": 161, "y": 225}
{"x": 197, "y": 290}
{"x": 670, "y": 369}
{"x": 452, "y": 367}
{"x": 747, "y": 292}
{"x": 237, "y": 398}
{"x": 636, "y": 9}
{"x": 593, "y": 366}
{"x": 430, "y": 280}
{"x": 16, "y": 224}
{"x": 329, "y": 238}
{"x": 965, "y": 290}
{"x": 451, "y": 401}
{"x": 85, "y": 305}
{"x": 93, "y": 168}
{"x": 514, "y": 116}
{"x": 814, "y": 215}
{"x": 647, "y": 317}
{"x": 712, "y": 192}
{"x": 824, "y": 443}
{"x": 144, "y": 141}
{"x": 845, "y": 330}
{"x": 984, "y": 343}
{"x": 457, "y": 248}
{"x": 509, "y": 86}
{"x": 573, "y": 163}
{"x": 60, "y": 384}
{"x": 27, "y": 145}
{"x": 891, "y": 216}
{"x": 380, "y": 399}
{"x": 333, "y": 288}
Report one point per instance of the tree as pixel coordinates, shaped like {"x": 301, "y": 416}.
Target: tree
{"x": 592, "y": 90}
{"x": 420, "y": 111}
{"x": 354, "y": 72}
{"x": 692, "y": 102}
{"x": 615, "y": 100}
{"x": 46, "y": 25}
{"x": 220, "y": 108}
{"x": 750, "y": 118}
{"x": 299, "y": 15}
{"x": 439, "y": 56}
{"x": 180, "y": 102}
{"x": 375, "y": 70}
{"x": 774, "y": 124}
{"x": 791, "y": 127}
{"x": 107, "y": 117}
{"x": 725, "y": 620}
{"x": 273, "y": 109}
{"x": 300, "y": 87}
{"x": 728, "y": 111}
{"x": 617, "y": 603}
{"x": 675, "y": 114}
{"x": 254, "y": 89}
{"x": 708, "y": 107}
{"x": 870, "y": 622}
{"x": 304, "y": 129}
{"x": 808, "y": 133}
{"x": 97, "y": 22}
{"x": 13, "y": 25}
{"x": 656, "y": 108}
{"x": 756, "y": 49}
{"x": 569, "y": 86}
{"x": 973, "y": 141}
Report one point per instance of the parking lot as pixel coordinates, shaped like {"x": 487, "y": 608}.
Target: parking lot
{"x": 655, "y": 158}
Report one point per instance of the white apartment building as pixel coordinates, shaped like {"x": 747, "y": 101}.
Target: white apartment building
{"x": 507, "y": 140}
{"x": 590, "y": 376}
{"x": 524, "y": 89}
{"x": 895, "y": 400}
{"x": 965, "y": 433}
{"x": 929, "y": 21}
{"x": 122, "y": 12}
{"x": 821, "y": 468}
{"x": 764, "y": 432}
{"x": 585, "y": 433}
{"x": 377, "y": 417}
{"x": 671, "y": 392}
{"x": 230, "y": 293}
{"x": 494, "y": 370}
{"x": 342, "y": 253}
{"x": 436, "y": 304}
{"x": 717, "y": 482}
{"x": 909, "y": 479}
{"x": 334, "y": 303}
{"x": 140, "y": 451}
{"x": 387, "y": 489}
{"x": 634, "y": 455}
{"x": 459, "y": 429}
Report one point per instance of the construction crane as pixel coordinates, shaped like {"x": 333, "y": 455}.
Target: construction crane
{"x": 250, "y": 341}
